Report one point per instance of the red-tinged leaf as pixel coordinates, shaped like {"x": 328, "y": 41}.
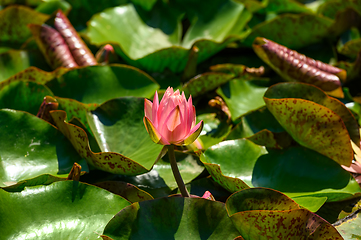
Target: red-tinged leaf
{"x": 313, "y": 126}
{"x": 49, "y": 103}
{"x": 126, "y": 190}
{"x": 293, "y": 66}
{"x": 53, "y": 46}
{"x": 259, "y": 199}
{"x": 291, "y": 225}
{"x": 271, "y": 140}
{"x": 81, "y": 53}
{"x": 75, "y": 172}
{"x": 311, "y": 93}
{"x": 106, "y": 161}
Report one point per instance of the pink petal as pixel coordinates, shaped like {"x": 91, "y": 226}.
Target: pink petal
{"x": 148, "y": 109}
{"x": 174, "y": 130}
{"x": 155, "y": 109}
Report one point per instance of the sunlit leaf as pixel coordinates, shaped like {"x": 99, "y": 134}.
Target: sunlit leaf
{"x": 61, "y": 210}
{"x": 97, "y": 84}
{"x": 241, "y": 97}
{"x": 178, "y": 214}
{"x": 30, "y": 147}
{"x": 314, "y": 126}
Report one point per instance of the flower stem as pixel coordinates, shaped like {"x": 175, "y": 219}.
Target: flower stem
{"x": 176, "y": 173}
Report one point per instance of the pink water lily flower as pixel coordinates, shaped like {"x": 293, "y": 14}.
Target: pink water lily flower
{"x": 173, "y": 120}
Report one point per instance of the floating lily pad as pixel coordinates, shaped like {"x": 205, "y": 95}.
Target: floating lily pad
{"x": 97, "y": 84}
{"x": 14, "y": 61}
{"x": 314, "y": 126}
{"x": 178, "y": 214}
{"x": 298, "y": 169}
{"x": 158, "y": 49}
{"x": 308, "y": 92}
{"x": 30, "y": 147}
{"x": 302, "y": 30}
{"x": 118, "y": 128}
{"x": 13, "y": 24}
{"x": 242, "y": 97}
{"x": 290, "y": 224}
{"x": 62, "y": 210}
{"x": 236, "y": 158}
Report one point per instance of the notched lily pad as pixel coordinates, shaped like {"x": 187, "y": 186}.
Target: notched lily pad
{"x": 30, "y": 147}
{"x": 236, "y": 158}
{"x": 290, "y": 224}
{"x": 61, "y": 210}
{"x": 178, "y": 214}
{"x": 311, "y": 93}
{"x": 259, "y": 199}
{"x": 313, "y": 126}
{"x": 107, "y": 161}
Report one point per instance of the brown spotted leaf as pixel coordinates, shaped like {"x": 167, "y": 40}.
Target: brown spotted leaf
{"x": 126, "y": 190}
{"x": 206, "y": 82}
{"x": 53, "y": 46}
{"x": 293, "y": 66}
{"x": 259, "y": 199}
{"x": 311, "y": 93}
{"x": 291, "y": 225}
{"x": 313, "y": 126}
{"x": 13, "y": 24}
{"x": 106, "y": 161}
{"x": 79, "y": 50}
{"x": 271, "y": 139}
{"x": 36, "y": 75}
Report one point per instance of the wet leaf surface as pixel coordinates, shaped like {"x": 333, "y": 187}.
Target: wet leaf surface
{"x": 65, "y": 209}
{"x": 32, "y": 147}
{"x": 179, "y": 214}
{"x": 313, "y": 126}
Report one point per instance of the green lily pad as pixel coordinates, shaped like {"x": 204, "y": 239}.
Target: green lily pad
{"x": 62, "y": 210}
{"x": 24, "y": 96}
{"x": 13, "y": 24}
{"x": 30, "y": 147}
{"x": 14, "y": 61}
{"x": 298, "y": 169}
{"x": 44, "y": 179}
{"x": 214, "y": 130}
{"x": 351, "y": 48}
{"x": 236, "y": 158}
{"x": 308, "y": 92}
{"x": 188, "y": 168}
{"x": 206, "y": 82}
{"x": 302, "y": 30}
{"x": 118, "y": 128}
{"x": 259, "y": 199}
{"x": 178, "y": 214}
{"x": 242, "y": 97}
{"x": 152, "y": 48}
{"x": 126, "y": 190}
{"x": 35, "y": 74}
{"x": 97, "y": 84}
{"x": 285, "y": 6}
{"x": 314, "y": 126}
